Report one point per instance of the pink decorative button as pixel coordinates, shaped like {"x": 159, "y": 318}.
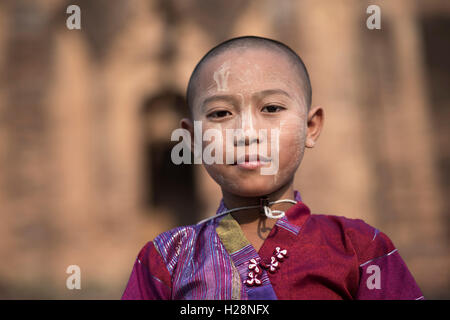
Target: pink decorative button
{"x": 255, "y": 265}
{"x": 253, "y": 279}
{"x": 280, "y": 254}
{"x": 272, "y": 266}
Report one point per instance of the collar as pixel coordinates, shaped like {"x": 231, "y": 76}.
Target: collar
{"x": 297, "y": 214}
{"x": 223, "y": 208}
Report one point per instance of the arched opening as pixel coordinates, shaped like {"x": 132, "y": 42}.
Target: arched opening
{"x": 436, "y": 39}
{"x": 167, "y": 187}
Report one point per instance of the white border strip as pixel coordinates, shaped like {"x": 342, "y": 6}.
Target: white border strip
{"x": 361, "y": 265}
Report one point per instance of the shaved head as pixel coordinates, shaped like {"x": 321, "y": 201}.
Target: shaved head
{"x": 252, "y": 42}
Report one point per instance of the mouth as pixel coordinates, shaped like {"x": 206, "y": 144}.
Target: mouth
{"x": 251, "y": 162}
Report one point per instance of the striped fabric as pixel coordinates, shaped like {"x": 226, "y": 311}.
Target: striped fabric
{"x": 198, "y": 263}
{"x": 241, "y": 258}
{"x": 283, "y": 223}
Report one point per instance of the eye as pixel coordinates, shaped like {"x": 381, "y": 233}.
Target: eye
{"x": 272, "y": 109}
{"x": 219, "y": 114}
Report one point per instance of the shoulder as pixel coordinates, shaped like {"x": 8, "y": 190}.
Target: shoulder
{"x": 176, "y": 242}
{"x": 367, "y": 241}
{"x": 175, "y": 235}
{"x": 170, "y": 239}
{"x": 382, "y": 272}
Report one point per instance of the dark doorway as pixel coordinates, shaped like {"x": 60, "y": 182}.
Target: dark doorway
{"x": 166, "y": 185}
{"x": 436, "y": 44}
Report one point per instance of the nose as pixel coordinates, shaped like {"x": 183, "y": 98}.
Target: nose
{"x": 247, "y": 133}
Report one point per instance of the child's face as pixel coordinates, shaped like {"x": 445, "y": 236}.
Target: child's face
{"x": 251, "y": 90}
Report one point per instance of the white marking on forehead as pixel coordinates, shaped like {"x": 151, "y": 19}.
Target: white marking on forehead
{"x": 221, "y": 76}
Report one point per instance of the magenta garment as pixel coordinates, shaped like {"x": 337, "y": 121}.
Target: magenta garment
{"x": 329, "y": 257}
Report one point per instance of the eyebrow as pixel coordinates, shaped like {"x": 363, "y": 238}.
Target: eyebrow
{"x": 232, "y": 98}
{"x": 272, "y": 91}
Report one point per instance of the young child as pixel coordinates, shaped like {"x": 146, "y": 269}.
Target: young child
{"x": 263, "y": 242}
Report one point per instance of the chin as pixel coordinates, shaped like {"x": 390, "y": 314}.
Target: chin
{"x": 251, "y": 191}
{"x": 255, "y": 186}
{"x": 248, "y": 183}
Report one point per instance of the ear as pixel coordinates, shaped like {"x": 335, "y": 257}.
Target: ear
{"x": 315, "y": 125}
{"x": 187, "y": 124}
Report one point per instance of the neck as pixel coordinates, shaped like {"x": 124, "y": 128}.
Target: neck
{"x": 232, "y": 201}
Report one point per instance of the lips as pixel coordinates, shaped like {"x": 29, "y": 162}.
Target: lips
{"x": 251, "y": 162}
{"x": 252, "y": 158}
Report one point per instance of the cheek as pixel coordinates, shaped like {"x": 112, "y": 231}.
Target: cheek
{"x": 292, "y": 132}
{"x": 292, "y": 143}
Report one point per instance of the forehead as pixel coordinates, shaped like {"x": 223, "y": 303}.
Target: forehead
{"x": 245, "y": 71}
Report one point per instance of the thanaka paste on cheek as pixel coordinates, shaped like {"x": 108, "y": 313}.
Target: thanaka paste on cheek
{"x": 292, "y": 136}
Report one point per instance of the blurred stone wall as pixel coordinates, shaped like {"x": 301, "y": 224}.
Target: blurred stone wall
{"x": 86, "y": 117}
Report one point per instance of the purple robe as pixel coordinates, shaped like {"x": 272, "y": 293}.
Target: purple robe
{"x": 327, "y": 257}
